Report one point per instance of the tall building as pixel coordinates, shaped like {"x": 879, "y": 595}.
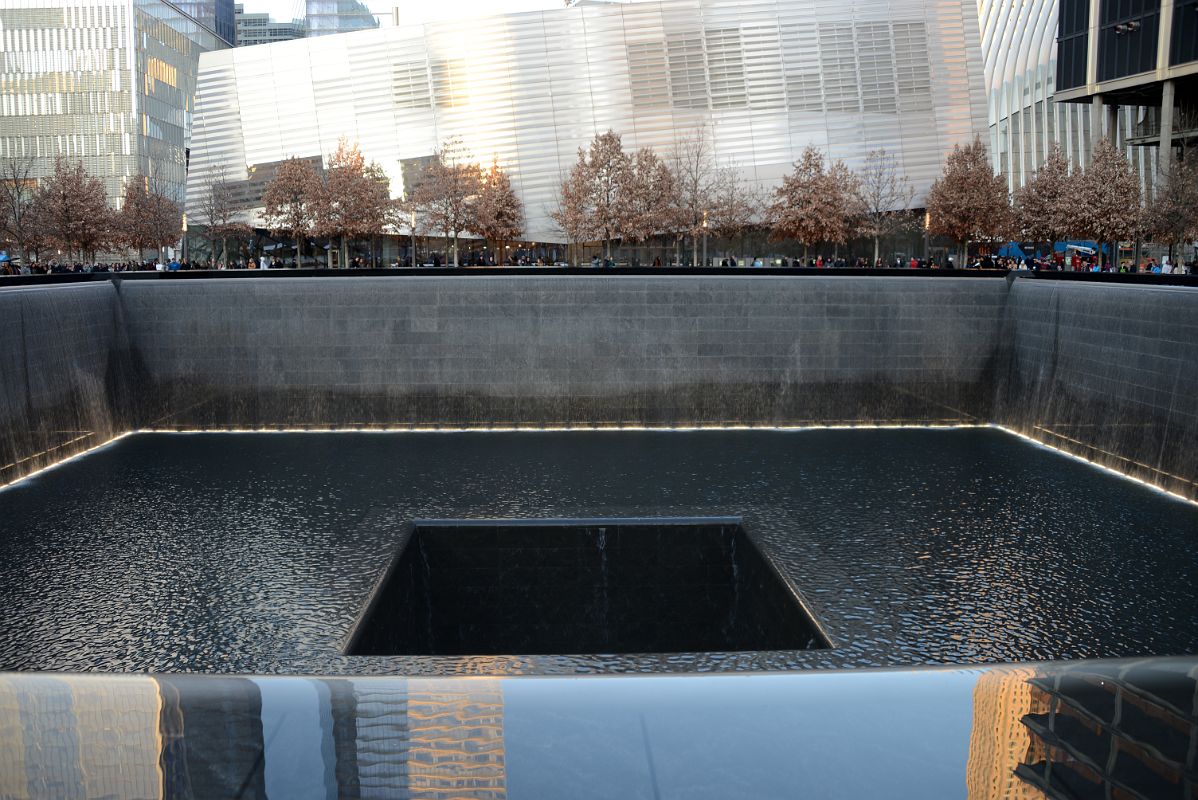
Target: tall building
{"x": 109, "y": 83}
{"x": 254, "y": 29}
{"x": 219, "y": 15}
{"x": 762, "y": 79}
{"x": 1027, "y": 117}
{"x": 1113, "y": 54}
{"x": 323, "y": 17}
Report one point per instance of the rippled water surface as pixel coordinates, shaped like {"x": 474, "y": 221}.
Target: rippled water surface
{"x": 255, "y": 552}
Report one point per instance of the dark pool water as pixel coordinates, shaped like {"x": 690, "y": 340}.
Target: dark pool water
{"x": 256, "y": 552}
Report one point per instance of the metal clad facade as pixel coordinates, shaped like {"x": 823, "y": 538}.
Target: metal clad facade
{"x": 764, "y": 78}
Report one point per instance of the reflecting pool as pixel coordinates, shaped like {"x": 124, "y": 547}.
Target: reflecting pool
{"x": 258, "y": 552}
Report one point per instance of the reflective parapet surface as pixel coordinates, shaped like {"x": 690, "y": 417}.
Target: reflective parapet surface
{"x": 1083, "y": 729}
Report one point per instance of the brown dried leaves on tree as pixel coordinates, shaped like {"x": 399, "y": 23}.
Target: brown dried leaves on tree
{"x": 73, "y": 210}
{"x": 1108, "y": 197}
{"x": 592, "y": 196}
{"x": 289, "y": 200}
{"x": 647, "y": 198}
{"x": 149, "y": 218}
{"x": 1172, "y": 217}
{"x": 816, "y": 203}
{"x": 497, "y": 214}
{"x": 1045, "y": 206}
{"x": 352, "y": 198}
{"x": 968, "y": 202}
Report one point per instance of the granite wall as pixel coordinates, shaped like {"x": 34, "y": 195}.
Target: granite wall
{"x": 566, "y": 350}
{"x": 62, "y": 371}
{"x": 1106, "y": 371}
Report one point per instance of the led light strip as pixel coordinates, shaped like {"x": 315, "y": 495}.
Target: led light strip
{"x": 618, "y": 428}
{"x": 66, "y": 460}
{"x": 1096, "y": 465}
{"x": 615, "y": 427}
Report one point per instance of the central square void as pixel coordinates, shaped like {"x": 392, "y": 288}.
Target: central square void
{"x": 541, "y": 587}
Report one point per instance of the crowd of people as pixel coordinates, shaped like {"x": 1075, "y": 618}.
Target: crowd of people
{"x": 1061, "y": 262}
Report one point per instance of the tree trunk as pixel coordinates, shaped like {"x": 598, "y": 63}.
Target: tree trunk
{"x": 344, "y": 252}
{"x": 299, "y": 251}
{"x": 694, "y": 250}
{"x": 876, "y": 250}
{"x": 455, "y": 249}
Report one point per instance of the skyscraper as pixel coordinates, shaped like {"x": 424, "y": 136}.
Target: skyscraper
{"x": 108, "y": 83}
{"x": 323, "y": 17}
{"x": 218, "y": 15}
{"x": 259, "y": 28}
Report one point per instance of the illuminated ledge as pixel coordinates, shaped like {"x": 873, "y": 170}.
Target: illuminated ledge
{"x": 616, "y": 428}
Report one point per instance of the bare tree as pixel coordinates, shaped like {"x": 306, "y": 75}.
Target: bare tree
{"x": 165, "y": 218}
{"x": 218, "y": 213}
{"x": 498, "y": 214}
{"x": 968, "y": 202}
{"x": 884, "y": 198}
{"x": 17, "y": 189}
{"x": 815, "y": 203}
{"x": 446, "y": 191}
{"x": 695, "y": 174}
{"x": 1108, "y": 198}
{"x": 573, "y": 213}
{"x": 73, "y": 210}
{"x": 1173, "y": 214}
{"x": 735, "y": 206}
{"x": 1044, "y": 204}
{"x": 288, "y": 201}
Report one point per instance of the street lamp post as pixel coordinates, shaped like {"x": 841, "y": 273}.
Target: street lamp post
{"x": 413, "y": 240}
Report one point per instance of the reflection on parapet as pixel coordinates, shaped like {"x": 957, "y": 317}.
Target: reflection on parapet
{"x": 429, "y": 738}
{"x": 1127, "y": 731}
{"x": 185, "y": 736}
{"x": 82, "y": 738}
{"x": 998, "y": 742}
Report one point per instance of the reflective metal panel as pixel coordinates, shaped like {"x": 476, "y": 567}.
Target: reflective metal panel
{"x": 763, "y": 78}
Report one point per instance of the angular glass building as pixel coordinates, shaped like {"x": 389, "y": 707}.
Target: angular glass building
{"x": 1036, "y": 58}
{"x": 109, "y": 83}
{"x": 323, "y": 17}
{"x": 219, "y": 15}
{"x": 762, "y": 78}
{"x": 258, "y": 28}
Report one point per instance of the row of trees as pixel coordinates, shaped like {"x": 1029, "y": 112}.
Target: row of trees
{"x": 351, "y": 199}
{"x": 1102, "y": 202}
{"x": 611, "y": 195}
{"x": 68, "y": 212}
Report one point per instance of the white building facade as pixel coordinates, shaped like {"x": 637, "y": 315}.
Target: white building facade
{"x": 762, "y": 78}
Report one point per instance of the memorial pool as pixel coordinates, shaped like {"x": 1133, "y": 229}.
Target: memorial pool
{"x": 257, "y": 552}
